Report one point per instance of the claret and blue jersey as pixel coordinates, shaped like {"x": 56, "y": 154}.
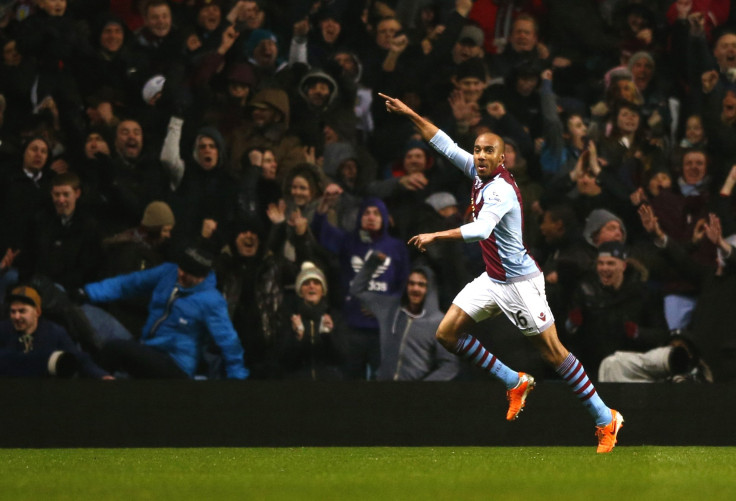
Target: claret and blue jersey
{"x": 496, "y": 205}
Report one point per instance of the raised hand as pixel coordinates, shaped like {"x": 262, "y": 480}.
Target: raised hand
{"x": 394, "y": 105}
{"x": 421, "y": 241}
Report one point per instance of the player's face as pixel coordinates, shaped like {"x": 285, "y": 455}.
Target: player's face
{"x": 371, "y": 220}
{"x": 65, "y": 199}
{"x": 312, "y": 291}
{"x": 24, "y": 317}
{"x": 487, "y": 154}
{"x": 610, "y": 271}
{"x": 416, "y": 289}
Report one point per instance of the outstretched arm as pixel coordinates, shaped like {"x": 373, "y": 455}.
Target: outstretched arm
{"x": 426, "y": 128}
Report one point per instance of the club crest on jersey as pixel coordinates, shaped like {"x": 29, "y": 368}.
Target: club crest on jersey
{"x": 542, "y": 317}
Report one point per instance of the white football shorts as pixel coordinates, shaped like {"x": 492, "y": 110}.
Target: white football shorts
{"x": 524, "y": 302}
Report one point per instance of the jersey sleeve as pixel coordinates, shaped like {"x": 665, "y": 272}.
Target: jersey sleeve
{"x": 498, "y": 199}
{"x": 460, "y": 158}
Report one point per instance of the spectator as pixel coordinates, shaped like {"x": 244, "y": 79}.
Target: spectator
{"x": 451, "y": 261}
{"x": 262, "y": 52}
{"x": 565, "y": 137}
{"x": 65, "y": 244}
{"x": 250, "y": 280}
{"x": 681, "y": 212}
{"x": 363, "y": 347}
{"x": 566, "y": 258}
{"x": 677, "y": 361}
{"x": 523, "y": 47}
{"x": 312, "y": 338}
{"x": 139, "y": 248}
{"x": 656, "y": 106}
{"x": 157, "y": 47}
{"x": 267, "y": 128}
{"x": 413, "y": 177}
{"x": 613, "y": 310}
{"x": 258, "y": 186}
{"x": 319, "y": 95}
{"x": 25, "y": 193}
{"x": 56, "y": 40}
{"x": 204, "y": 188}
{"x": 209, "y": 23}
{"x": 352, "y": 77}
{"x": 715, "y": 281}
{"x": 409, "y": 349}
{"x": 185, "y": 311}
{"x": 31, "y": 346}
{"x": 105, "y": 68}
{"x": 137, "y": 178}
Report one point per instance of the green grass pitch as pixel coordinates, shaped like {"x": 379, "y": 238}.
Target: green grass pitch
{"x": 375, "y": 473}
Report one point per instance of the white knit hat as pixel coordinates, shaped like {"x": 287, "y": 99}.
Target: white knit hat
{"x": 309, "y": 271}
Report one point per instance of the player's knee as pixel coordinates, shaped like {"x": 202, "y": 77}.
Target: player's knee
{"x": 447, "y": 338}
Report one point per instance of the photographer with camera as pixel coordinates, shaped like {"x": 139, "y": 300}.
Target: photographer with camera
{"x": 678, "y": 361}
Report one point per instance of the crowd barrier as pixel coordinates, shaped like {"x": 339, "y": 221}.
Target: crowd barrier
{"x": 86, "y": 413}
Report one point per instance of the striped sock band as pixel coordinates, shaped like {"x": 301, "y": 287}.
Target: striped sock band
{"x": 471, "y": 349}
{"x": 573, "y": 372}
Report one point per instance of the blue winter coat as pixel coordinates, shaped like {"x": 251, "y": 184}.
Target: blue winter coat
{"x": 181, "y": 331}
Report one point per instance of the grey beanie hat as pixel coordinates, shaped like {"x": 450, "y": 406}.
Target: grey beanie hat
{"x": 440, "y": 200}
{"x": 595, "y": 221}
{"x": 335, "y": 154}
{"x": 639, "y": 55}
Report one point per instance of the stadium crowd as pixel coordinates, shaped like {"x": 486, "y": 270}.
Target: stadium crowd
{"x": 191, "y": 188}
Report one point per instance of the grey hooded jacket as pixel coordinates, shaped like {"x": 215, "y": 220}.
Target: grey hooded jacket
{"x": 409, "y": 350}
